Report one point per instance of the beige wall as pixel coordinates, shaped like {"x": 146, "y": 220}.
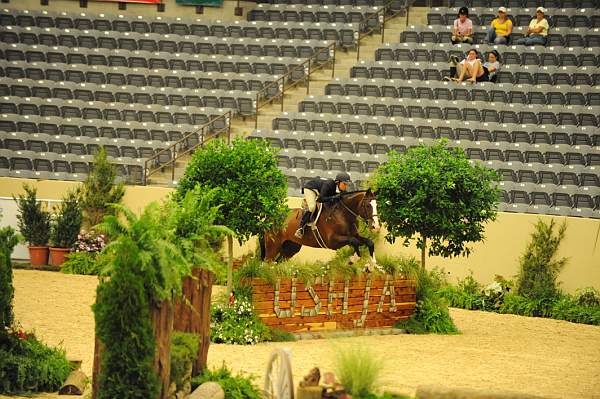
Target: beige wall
{"x": 506, "y": 239}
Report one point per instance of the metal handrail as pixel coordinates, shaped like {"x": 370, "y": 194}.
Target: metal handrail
{"x": 383, "y": 15}
{"x": 284, "y": 82}
{"x": 205, "y": 132}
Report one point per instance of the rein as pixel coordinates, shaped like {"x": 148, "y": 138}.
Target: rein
{"x": 355, "y": 214}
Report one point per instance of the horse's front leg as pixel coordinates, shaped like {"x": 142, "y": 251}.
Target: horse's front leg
{"x": 369, "y": 243}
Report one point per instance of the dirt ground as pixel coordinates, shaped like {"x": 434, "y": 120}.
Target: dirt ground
{"x": 551, "y": 358}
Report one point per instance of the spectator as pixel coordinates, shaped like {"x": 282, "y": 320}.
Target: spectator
{"x": 473, "y": 70}
{"x": 500, "y": 29}
{"x": 492, "y": 65}
{"x": 462, "y": 31}
{"x": 537, "y": 31}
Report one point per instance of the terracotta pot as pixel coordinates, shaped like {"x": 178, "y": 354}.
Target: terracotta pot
{"x": 58, "y": 256}
{"x": 38, "y": 256}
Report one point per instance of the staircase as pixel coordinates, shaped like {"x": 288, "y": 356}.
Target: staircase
{"x": 343, "y": 64}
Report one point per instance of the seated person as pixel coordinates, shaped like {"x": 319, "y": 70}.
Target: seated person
{"x": 537, "y": 31}
{"x": 500, "y": 29}
{"x": 472, "y": 68}
{"x": 462, "y": 31}
{"x": 492, "y": 65}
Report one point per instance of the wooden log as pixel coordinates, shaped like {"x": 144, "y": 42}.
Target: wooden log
{"x": 192, "y": 312}
{"x": 161, "y": 316}
{"x": 74, "y": 384}
{"x": 98, "y": 349}
{"x": 440, "y": 392}
{"x": 309, "y": 392}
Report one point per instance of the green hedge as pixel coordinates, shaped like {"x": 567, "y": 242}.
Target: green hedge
{"x": 28, "y": 365}
{"x": 184, "y": 350}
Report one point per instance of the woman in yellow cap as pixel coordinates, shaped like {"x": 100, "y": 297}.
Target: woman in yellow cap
{"x": 500, "y": 29}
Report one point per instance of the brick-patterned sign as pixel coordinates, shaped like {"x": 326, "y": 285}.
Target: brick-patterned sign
{"x": 323, "y": 304}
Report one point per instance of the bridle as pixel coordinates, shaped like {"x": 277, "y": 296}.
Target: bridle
{"x": 362, "y": 205}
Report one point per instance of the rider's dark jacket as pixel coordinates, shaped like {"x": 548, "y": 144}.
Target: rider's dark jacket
{"x": 325, "y": 187}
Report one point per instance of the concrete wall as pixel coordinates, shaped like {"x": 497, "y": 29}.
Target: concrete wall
{"x": 506, "y": 238}
{"x": 172, "y": 9}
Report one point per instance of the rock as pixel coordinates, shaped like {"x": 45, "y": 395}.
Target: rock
{"x": 208, "y": 390}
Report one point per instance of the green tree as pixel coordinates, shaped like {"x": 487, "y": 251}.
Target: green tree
{"x": 251, "y": 190}
{"x": 8, "y": 240}
{"x": 33, "y": 220}
{"x": 539, "y": 265}
{"x": 99, "y": 190}
{"x": 436, "y": 193}
{"x": 145, "y": 267}
{"x": 67, "y": 221}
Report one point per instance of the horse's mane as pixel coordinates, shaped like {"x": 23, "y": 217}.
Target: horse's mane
{"x": 348, "y": 193}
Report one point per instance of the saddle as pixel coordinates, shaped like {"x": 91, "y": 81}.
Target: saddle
{"x": 314, "y": 217}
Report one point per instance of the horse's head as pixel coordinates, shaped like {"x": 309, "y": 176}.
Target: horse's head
{"x": 363, "y": 204}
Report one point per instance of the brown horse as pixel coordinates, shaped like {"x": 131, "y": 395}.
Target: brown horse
{"x": 336, "y": 228}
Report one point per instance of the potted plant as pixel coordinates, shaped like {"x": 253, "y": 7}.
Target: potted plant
{"x": 34, "y": 224}
{"x": 65, "y": 227}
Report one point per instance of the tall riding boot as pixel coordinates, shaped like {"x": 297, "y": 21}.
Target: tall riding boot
{"x": 305, "y": 218}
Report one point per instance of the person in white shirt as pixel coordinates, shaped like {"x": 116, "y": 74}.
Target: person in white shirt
{"x": 472, "y": 69}
{"x": 537, "y": 31}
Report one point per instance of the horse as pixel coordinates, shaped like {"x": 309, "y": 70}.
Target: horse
{"x": 336, "y": 228}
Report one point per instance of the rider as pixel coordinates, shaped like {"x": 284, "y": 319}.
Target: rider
{"x": 320, "y": 189}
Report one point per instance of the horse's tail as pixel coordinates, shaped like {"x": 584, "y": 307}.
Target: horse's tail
{"x": 261, "y": 241}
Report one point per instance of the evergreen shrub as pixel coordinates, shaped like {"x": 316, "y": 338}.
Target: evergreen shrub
{"x": 184, "y": 351}
{"x": 33, "y": 220}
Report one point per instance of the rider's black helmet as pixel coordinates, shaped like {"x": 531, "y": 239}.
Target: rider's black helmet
{"x": 342, "y": 176}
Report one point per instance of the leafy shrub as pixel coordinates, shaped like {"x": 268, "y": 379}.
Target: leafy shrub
{"x": 193, "y": 219}
{"x": 468, "y": 294}
{"x": 539, "y": 267}
{"x": 523, "y": 306}
{"x": 86, "y": 263}
{"x": 184, "y": 350}
{"x": 66, "y": 221}
{"x": 431, "y": 313}
{"x": 588, "y": 296}
{"x": 28, "y": 365}
{"x": 237, "y": 324}
{"x": 235, "y": 387}
{"x": 571, "y": 309}
{"x": 357, "y": 370}
{"x": 278, "y": 335}
{"x": 33, "y": 220}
